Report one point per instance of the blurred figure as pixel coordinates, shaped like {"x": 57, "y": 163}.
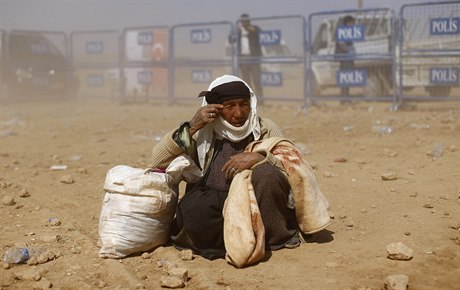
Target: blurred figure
{"x": 248, "y": 51}
{"x": 346, "y": 50}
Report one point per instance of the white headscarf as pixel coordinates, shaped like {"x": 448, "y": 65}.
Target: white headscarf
{"x": 222, "y": 128}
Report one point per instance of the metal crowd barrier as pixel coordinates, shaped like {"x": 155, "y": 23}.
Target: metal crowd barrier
{"x": 351, "y": 55}
{"x": 199, "y": 52}
{"x": 145, "y": 63}
{"x": 97, "y": 63}
{"x": 429, "y": 51}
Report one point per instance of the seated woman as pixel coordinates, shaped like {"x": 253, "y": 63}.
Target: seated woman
{"x": 215, "y": 138}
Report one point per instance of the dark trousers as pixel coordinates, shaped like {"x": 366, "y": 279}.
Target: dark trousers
{"x": 251, "y": 73}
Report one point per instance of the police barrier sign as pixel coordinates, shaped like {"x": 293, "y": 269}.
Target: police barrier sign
{"x": 145, "y": 38}
{"x": 201, "y": 35}
{"x": 94, "y": 47}
{"x": 144, "y": 77}
{"x": 271, "y": 79}
{"x": 270, "y": 37}
{"x": 201, "y": 76}
{"x": 347, "y": 33}
{"x": 351, "y": 78}
{"x": 444, "y": 75}
{"x": 95, "y": 80}
{"x": 445, "y": 26}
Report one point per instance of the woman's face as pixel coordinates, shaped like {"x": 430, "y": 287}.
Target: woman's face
{"x": 236, "y": 111}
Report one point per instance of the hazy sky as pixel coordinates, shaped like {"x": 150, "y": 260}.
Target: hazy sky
{"x": 74, "y": 15}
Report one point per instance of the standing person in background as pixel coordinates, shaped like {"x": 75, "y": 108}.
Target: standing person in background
{"x": 249, "y": 51}
{"x": 346, "y": 49}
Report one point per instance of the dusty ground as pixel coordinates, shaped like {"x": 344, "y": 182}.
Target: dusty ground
{"x": 420, "y": 208}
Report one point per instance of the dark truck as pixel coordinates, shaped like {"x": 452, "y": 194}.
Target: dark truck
{"x": 33, "y": 65}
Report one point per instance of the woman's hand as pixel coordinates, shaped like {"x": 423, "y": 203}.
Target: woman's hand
{"x": 204, "y": 116}
{"x": 240, "y": 162}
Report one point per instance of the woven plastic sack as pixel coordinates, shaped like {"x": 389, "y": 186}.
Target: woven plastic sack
{"x": 139, "y": 206}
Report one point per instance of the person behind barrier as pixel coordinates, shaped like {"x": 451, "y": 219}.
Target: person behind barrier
{"x": 346, "y": 50}
{"x": 249, "y": 50}
{"x": 215, "y": 138}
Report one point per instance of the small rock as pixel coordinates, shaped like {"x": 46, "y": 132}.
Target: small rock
{"x": 171, "y": 282}
{"x": 427, "y": 205}
{"x": 145, "y": 255}
{"x": 413, "y": 194}
{"x": 6, "y": 266}
{"x": 407, "y": 233}
{"x": 331, "y": 264}
{"x": 455, "y": 226}
{"x": 24, "y": 193}
{"x": 399, "y": 251}
{"x": 186, "y": 255}
{"x": 8, "y": 200}
{"x": 82, "y": 170}
{"x": 389, "y": 176}
{"x": 340, "y": 159}
{"x": 451, "y": 148}
{"x": 396, "y": 282}
{"x": 67, "y": 179}
{"x": 75, "y": 249}
{"x": 327, "y": 174}
{"x": 180, "y": 273}
{"x": 31, "y": 274}
{"x": 43, "y": 284}
{"x": 349, "y": 224}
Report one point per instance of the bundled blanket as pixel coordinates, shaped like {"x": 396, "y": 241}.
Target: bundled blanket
{"x": 312, "y": 208}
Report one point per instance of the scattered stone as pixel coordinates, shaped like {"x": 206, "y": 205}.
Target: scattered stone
{"x": 427, "y": 205}
{"x": 75, "y": 249}
{"x": 186, "y": 255}
{"x": 145, "y": 255}
{"x": 6, "y": 266}
{"x": 67, "y": 179}
{"x": 389, "y": 176}
{"x": 82, "y": 170}
{"x": 327, "y": 174}
{"x": 43, "y": 284}
{"x": 455, "y": 226}
{"x": 340, "y": 160}
{"x": 180, "y": 273}
{"x": 8, "y": 200}
{"x": 349, "y": 224}
{"x": 451, "y": 148}
{"x": 313, "y": 164}
{"x": 390, "y": 153}
{"x": 24, "y": 193}
{"x": 171, "y": 282}
{"x": 50, "y": 238}
{"x": 407, "y": 233}
{"x": 396, "y": 282}
{"x": 31, "y": 274}
{"x": 399, "y": 251}
{"x": 413, "y": 194}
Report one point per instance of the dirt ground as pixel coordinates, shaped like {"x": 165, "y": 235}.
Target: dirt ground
{"x": 420, "y": 207}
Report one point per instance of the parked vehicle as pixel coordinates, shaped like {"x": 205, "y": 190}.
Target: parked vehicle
{"x": 34, "y": 65}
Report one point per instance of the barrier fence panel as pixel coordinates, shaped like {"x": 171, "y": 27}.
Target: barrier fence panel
{"x": 2, "y": 63}
{"x": 281, "y": 65}
{"x": 429, "y": 63}
{"x": 145, "y": 63}
{"x": 351, "y": 55}
{"x": 96, "y": 59}
{"x": 38, "y": 64}
{"x": 199, "y": 53}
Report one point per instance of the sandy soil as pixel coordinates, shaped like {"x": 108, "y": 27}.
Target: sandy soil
{"x": 420, "y": 208}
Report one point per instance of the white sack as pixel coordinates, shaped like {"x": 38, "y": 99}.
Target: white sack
{"x": 139, "y": 206}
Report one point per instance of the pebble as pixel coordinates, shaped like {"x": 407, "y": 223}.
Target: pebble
{"x": 327, "y": 174}
{"x": 54, "y": 221}
{"x": 389, "y": 176}
{"x": 396, "y": 282}
{"x": 24, "y": 193}
{"x": 171, "y": 282}
{"x": 8, "y": 200}
{"x": 340, "y": 159}
{"x": 67, "y": 179}
{"x": 427, "y": 205}
{"x": 399, "y": 251}
{"x": 186, "y": 255}
{"x": 82, "y": 170}
{"x": 145, "y": 255}
{"x": 180, "y": 273}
